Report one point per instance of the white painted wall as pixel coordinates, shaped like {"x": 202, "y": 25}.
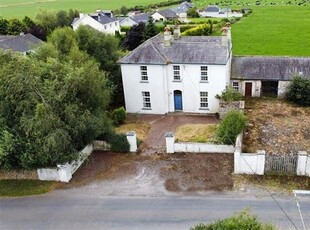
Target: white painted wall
{"x": 282, "y": 88}
{"x": 133, "y": 87}
{"x": 128, "y": 22}
{"x": 202, "y": 148}
{"x": 303, "y": 164}
{"x": 161, "y": 86}
{"x": 109, "y": 28}
{"x": 158, "y": 17}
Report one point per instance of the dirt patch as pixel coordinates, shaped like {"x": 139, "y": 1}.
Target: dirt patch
{"x": 126, "y": 174}
{"x": 198, "y": 172}
{"x": 276, "y": 126}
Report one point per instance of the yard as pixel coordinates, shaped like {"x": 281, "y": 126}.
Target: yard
{"x": 276, "y": 126}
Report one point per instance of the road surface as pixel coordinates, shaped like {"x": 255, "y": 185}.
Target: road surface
{"x": 69, "y": 209}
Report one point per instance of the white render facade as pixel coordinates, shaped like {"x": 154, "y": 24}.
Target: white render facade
{"x": 197, "y": 93}
{"x": 182, "y": 75}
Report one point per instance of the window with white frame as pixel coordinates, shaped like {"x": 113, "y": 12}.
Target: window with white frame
{"x": 235, "y": 85}
{"x": 203, "y": 99}
{"x": 146, "y": 97}
{"x": 143, "y": 70}
{"x": 176, "y": 73}
{"x": 204, "y": 73}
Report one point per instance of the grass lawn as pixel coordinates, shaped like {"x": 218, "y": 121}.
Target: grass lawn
{"x": 195, "y": 133}
{"x": 271, "y": 30}
{"x": 12, "y": 188}
{"x": 141, "y": 129}
{"x": 20, "y": 8}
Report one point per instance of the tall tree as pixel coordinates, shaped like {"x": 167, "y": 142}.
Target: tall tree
{"x": 47, "y": 20}
{"x": 150, "y": 29}
{"x": 15, "y": 27}
{"x": 62, "y": 19}
{"x": 49, "y": 108}
{"x": 64, "y": 39}
{"x": 134, "y": 36}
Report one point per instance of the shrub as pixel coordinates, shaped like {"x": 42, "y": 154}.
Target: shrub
{"x": 230, "y": 95}
{"x": 118, "y": 142}
{"x": 118, "y": 116}
{"x": 231, "y": 125}
{"x": 201, "y": 30}
{"x": 242, "y": 221}
{"x": 299, "y": 91}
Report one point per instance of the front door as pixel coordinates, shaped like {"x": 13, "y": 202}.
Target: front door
{"x": 178, "y": 106}
{"x": 248, "y": 89}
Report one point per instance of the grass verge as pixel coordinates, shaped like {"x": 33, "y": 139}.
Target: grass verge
{"x": 196, "y": 133}
{"x": 14, "y": 188}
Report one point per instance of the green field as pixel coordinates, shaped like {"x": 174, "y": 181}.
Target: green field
{"x": 20, "y": 8}
{"x": 279, "y": 29}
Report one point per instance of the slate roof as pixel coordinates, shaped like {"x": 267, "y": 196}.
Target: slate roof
{"x": 104, "y": 19}
{"x": 183, "y": 7}
{"x": 21, "y": 43}
{"x": 167, "y": 13}
{"x": 269, "y": 68}
{"x": 212, "y": 8}
{"x": 144, "y": 17}
{"x": 186, "y": 50}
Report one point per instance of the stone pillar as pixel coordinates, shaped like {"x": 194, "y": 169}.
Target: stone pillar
{"x": 64, "y": 172}
{"x": 237, "y": 159}
{"x": 169, "y": 142}
{"x": 132, "y": 140}
{"x": 261, "y": 157}
{"x": 301, "y": 163}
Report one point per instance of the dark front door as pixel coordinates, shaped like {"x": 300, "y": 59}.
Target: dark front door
{"x": 178, "y": 100}
{"x": 248, "y": 89}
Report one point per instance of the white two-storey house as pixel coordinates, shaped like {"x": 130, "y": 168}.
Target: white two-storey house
{"x": 170, "y": 73}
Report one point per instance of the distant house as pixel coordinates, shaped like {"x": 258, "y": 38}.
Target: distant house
{"x": 165, "y": 75}
{"x": 214, "y": 11}
{"x": 135, "y": 19}
{"x": 102, "y": 21}
{"x": 181, "y": 10}
{"x": 23, "y": 43}
{"x": 257, "y": 76}
{"x": 164, "y": 15}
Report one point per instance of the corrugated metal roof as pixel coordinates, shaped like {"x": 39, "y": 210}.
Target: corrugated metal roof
{"x": 21, "y": 43}
{"x": 269, "y": 68}
{"x": 186, "y": 50}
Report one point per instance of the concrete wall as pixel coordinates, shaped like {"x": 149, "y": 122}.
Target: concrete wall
{"x": 217, "y": 15}
{"x": 303, "y": 164}
{"x": 158, "y": 17}
{"x": 18, "y": 174}
{"x": 161, "y": 86}
{"x": 64, "y": 172}
{"x": 191, "y": 147}
{"x": 282, "y": 88}
{"x": 248, "y": 163}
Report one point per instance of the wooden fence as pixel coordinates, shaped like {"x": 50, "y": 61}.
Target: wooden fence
{"x": 282, "y": 164}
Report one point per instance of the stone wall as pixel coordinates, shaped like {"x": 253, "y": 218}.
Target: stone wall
{"x": 225, "y": 107}
{"x": 282, "y": 88}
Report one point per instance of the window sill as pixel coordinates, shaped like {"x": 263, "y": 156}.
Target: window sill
{"x": 146, "y": 108}
{"x": 203, "y": 108}
{"x": 204, "y": 82}
{"x": 144, "y": 81}
{"x": 177, "y": 80}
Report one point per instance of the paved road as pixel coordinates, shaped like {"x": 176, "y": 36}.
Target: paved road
{"x": 67, "y": 210}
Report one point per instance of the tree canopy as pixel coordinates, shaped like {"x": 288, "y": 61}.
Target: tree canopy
{"x": 52, "y": 104}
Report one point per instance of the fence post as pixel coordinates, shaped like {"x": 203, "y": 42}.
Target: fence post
{"x": 301, "y": 163}
{"x": 169, "y": 142}
{"x": 132, "y": 140}
{"x": 261, "y": 158}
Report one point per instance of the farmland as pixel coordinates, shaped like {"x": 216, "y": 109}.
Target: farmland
{"x": 20, "y": 8}
{"x": 275, "y": 28}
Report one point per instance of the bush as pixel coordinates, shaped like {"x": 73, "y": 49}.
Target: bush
{"x": 230, "y": 95}
{"x": 299, "y": 91}
{"x": 118, "y": 116}
{"x": 118, "y": 142}
{"x": 232, "y": 124}
{"x": 201, "y": 30}
{"x": 242, "y": 221}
